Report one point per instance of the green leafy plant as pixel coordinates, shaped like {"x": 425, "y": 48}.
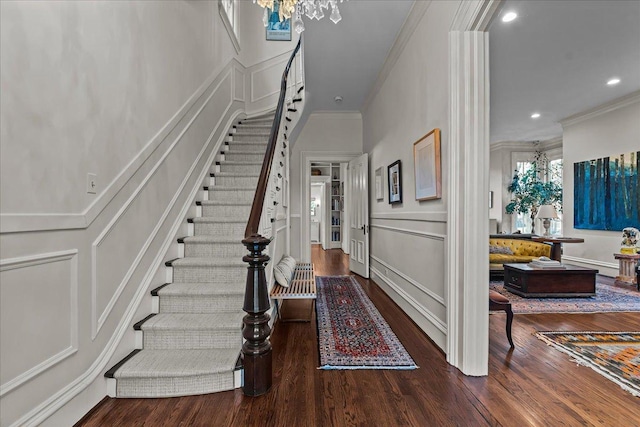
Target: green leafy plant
{"x": 530, "y": 189}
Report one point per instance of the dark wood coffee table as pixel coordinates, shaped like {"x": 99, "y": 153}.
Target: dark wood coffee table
{"x": 571, "y": 281}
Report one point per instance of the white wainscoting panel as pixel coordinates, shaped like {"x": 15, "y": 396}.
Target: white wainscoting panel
{"x": 38, "y": 314}
{"x": 265, "y": 79}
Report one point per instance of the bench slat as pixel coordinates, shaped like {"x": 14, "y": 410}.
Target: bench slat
{"x": 303, "y": 284}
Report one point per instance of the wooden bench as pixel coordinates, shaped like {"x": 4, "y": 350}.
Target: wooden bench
{"x": 303, "y": 286}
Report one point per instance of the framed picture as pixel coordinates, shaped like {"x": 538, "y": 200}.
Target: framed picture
{"x": 379, "y": 184}
{"x": 395, "y": 182}
{"x": 276, "y": 30}
{"x": 426, "y": 163}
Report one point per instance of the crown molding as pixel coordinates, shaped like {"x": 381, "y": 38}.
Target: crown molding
{"x": 616, "y": 104}
{"x": 527, "y": 145}
{"x": 414, "y": 17}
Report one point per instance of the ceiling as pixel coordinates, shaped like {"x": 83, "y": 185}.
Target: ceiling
{"x": 345, "y": 58}
{"x": 555, "y": 59}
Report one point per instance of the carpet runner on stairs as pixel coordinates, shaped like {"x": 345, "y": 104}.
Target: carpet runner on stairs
{"x": 191, "y": 346}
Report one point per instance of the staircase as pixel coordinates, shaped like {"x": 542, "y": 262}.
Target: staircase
{"x": 192, "y": 344}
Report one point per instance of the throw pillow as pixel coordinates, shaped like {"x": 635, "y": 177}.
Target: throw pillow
{"x": 506, "y": 250}
{"x": 283, "y": 272}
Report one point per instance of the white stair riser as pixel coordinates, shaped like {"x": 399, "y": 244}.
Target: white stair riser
{"x": 259, "y": 132}
{"x": 215, "y": 250}
{"x": 201, "y": 303}
{"x": 215, "y": 275}
{"x": 220, "y": 229}
{"x": 239, "y": 169}
{"x": 237, "y": 181}
{"x": 175, "y": 386}
{"x": 192, "y": 339}
{"x": 243, "y": 157}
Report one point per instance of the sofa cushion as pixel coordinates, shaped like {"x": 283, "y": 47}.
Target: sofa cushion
{"x": 523, "y": 247}
{"x": 495, "y": 249}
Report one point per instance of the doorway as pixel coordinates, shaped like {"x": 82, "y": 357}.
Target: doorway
{"x": 331, "y": 169}
{"x": 327, "y": 207}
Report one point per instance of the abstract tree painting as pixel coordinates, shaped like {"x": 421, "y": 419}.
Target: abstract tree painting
{"x": 606, "y": 193}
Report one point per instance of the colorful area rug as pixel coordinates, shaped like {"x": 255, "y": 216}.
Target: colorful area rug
{"x": 608, "y": 299}
{"x": 615, "y": 355}
{"x": 352, "y": 334}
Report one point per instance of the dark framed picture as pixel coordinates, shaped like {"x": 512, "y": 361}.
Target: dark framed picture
{"x": 395, "y": 182}
{"x": 276, "y": 30}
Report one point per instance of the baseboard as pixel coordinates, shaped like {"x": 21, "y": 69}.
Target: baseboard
{"x": 435, "y": 328}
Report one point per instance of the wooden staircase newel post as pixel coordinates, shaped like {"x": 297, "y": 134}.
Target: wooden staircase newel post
{"x": 256, "y": 350}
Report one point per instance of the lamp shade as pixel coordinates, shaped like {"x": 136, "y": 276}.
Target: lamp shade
{"x": 547, "y": 211}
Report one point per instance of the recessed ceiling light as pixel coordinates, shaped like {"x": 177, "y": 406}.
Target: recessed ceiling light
{"x": 613, "y": 81}
{"x": 535, "y": 115}
{"x": 509, "y": 16}
{"x": 338, "y": 99}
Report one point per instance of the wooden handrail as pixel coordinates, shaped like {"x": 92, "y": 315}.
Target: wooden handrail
{"x": 256, "y": 349}
{"x": 258, "y": 199}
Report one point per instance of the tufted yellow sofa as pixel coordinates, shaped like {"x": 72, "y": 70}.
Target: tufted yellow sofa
{"x": 523, "y": 251}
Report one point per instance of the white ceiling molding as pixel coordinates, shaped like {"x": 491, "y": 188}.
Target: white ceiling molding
{"x": 632, "y": 98}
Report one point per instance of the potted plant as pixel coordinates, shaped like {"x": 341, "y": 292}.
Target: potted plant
{"x": 530, "y": 190}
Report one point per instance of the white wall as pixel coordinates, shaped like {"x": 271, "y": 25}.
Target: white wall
{"x": 408, "y": 239}
{"x": 323, "y": 132}
{"x": 608, "y": 131}
{"x": 255, "y": 47}
{"x": 142, "y": 94}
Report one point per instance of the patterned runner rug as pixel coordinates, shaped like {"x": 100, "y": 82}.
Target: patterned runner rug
{"x": 608, "y": 299}
{"x": 351, "y": 332}
{"x": 615, "y": 355}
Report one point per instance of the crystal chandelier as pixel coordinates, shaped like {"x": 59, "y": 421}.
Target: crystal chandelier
{"x": 297, "y": 8}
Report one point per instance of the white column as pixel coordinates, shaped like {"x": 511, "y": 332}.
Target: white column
{"x": 468, "y": 210}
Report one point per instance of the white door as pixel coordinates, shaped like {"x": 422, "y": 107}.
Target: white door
{"x": 359, "y": 215}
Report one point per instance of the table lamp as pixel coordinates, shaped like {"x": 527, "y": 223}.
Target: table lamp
{"x": 547, "y": 213}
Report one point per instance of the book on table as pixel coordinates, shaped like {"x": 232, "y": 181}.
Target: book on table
{"x": 544, "y": 262}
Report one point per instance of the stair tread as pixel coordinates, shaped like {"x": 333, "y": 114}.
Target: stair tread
{"x": 256, "y": 152}
{"x": 240, "y": 162}
{"x": 195, "y": 321}
{"x": 224, "y": 203}
{"x": 231, "y": 188}
{"x": 178, "y": 363}
{"x": 202, "y": 289}
{"x": 214, "y": 219}
{"x": 237, "y": 175}
{"x": 208, "y": 262}
{"x": 207, "y": 238}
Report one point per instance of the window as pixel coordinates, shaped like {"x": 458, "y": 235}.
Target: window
{"x": 523, "y": 220}
{"x": 228, "y": 13}
{"x": 554, "y": 174}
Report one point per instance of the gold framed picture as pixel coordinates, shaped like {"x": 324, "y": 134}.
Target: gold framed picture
{"x": 426, "y": 164}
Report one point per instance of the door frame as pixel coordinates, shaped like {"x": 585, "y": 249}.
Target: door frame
{"x": 306, "y": 158}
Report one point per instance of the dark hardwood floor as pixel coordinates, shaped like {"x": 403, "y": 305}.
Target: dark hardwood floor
{"x": 532, "y": 385}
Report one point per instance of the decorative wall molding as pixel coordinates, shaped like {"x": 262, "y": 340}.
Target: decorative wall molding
{"x": 22, "y": 222}
{"x": 31, "y": 261}
{"x": 414, "y": 282}
{"x": 408, "y": 28}
{"x": 413, "y": 216}
{"x": 432, "y": 318}
{"x": 426, "y": 234}
{"x": 616, "y": 104}
{"x": 589, "y": 261}
{"x": 98, "y": 321}
{"x": 272, "y": 65}
{"x": 238, "y": 84}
